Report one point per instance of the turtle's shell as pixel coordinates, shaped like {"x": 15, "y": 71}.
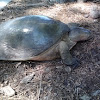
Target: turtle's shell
{"x": 25, "y": 37}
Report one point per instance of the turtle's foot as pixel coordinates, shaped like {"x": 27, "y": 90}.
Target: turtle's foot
{"x": 74, "y": 63}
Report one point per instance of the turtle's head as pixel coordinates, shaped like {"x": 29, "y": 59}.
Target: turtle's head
{"x": 79, "y": 34}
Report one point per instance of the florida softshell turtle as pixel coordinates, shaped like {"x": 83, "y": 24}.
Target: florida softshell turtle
{"x": 37, "y": 37}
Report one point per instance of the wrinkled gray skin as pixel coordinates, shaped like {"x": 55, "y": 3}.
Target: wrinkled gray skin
{"x": 39, "y": 38}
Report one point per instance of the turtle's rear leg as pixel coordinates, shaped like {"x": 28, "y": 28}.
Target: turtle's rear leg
{"x": 66, "y": 56}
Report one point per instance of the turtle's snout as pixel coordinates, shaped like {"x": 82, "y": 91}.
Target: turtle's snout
{"x": 89, "y": 36}
{"x": 79, "y": 34}
{"x": 86, "y": 34}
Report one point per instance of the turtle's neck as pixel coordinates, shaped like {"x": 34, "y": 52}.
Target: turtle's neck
{"x": 71, "y": 44}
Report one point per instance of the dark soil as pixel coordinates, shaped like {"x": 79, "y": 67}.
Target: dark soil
{"x": 52, "y": 80}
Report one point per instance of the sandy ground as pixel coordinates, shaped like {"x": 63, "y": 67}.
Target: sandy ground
{"x": 52, "y": 80}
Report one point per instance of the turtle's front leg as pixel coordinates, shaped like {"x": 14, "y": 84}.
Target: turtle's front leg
{"x": 66, "y": 56}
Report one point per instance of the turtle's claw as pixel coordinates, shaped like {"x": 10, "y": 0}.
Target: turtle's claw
{"x": 75, "y": 63}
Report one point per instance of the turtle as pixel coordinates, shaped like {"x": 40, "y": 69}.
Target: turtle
{"x": 39, "y": 38}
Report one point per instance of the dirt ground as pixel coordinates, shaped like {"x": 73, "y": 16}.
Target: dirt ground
{"x": 51, "y": 80}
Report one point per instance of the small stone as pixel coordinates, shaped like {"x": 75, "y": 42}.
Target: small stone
{"x": 68, "y": 69}
{"x": 94, "y": 12}
{"x": 95, "y": 20}
{"x": 77, "y": 83}
{"x": 86, "y": 15}
{"x": 11, "y": 17}
{"x": 96, "y": 93}
{"x": 47, "y": 69}
{"x": 7, "y": 90}
{"x": 59, "y": 67}
{"x": 85, "y": 97}
{"x": 27, "y": 79}
{"x": 1, "y": 12}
